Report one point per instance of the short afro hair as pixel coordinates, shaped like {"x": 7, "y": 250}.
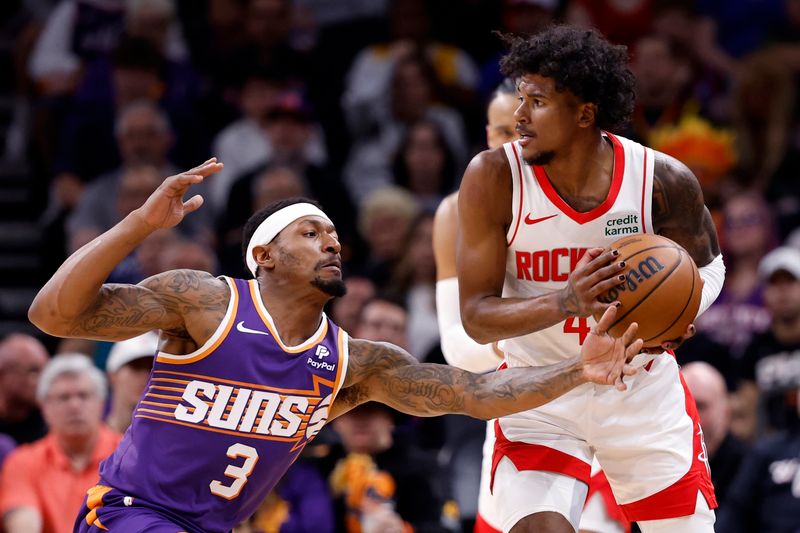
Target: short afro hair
{"x": 580, "y": 61}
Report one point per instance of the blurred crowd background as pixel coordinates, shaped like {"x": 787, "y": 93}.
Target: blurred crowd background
{"x": 374, "y": 108}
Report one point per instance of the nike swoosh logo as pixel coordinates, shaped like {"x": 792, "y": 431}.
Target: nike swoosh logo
{"x": 529, "y": 220}
{"x": 240, "y": 327}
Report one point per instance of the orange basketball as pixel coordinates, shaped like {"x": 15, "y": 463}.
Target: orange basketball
{"x": 661, "y": 291}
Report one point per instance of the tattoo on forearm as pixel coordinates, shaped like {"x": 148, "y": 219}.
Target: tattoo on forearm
{"x": 568, "y": 303}
{"x": 386, "y": 373}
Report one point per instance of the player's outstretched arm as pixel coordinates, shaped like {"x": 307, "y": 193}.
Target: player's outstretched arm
{"x": 385, "y": 373}
{"x": 75, "y": 302}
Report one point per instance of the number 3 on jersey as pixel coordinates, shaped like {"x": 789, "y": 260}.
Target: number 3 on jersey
{"x": 238, "y": 473}
{"x": 582, "y": 329}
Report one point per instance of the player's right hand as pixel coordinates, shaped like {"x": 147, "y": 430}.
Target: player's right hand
{"x": 605, "y": 358}
{"x": 597, "y": 272}
{"x": 165, "y": 208}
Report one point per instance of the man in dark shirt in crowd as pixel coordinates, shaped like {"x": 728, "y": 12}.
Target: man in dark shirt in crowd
{"x": 22, "y": 359}
{"x": 771, "y": 364}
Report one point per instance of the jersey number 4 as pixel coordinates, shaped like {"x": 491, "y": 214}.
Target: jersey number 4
{"x": 237, "y": 473}
{"x": 582, "y": 329}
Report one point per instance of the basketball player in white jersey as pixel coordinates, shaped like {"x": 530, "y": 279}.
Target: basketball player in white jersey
{"x": 536, "y": 218}
{"x": 601, "y": 513}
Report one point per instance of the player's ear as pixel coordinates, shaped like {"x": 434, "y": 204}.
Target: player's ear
{"x": 264, "y": 256}
{"x": 587, "y": 113}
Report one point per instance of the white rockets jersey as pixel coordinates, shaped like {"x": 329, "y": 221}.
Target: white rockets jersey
{"x": 547, "y": 237}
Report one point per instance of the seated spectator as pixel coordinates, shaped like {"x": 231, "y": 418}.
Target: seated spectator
{"x": 764, "y": 495}
{"x": 724, "y": 451}
{"x": 770, "y": 369}
{"x": 128, "y": 367}
{"x": 22, "y": 359}
{"x": 738, "y": 313}
{"x": 373, "y": 71}
{"x": 144, "y": 137}
{"x": 43, "y": 484}
{"x": 413, "y": 95}
{"x": 269, "y": 111}
{"x": 383, "y": 320}
{"x": 384, "y": 220}
{"x": 381, "y": 483}
{"x": 414, "y": 278}
{"x": 425, "y": 165}
{"x": 346, "y": 310}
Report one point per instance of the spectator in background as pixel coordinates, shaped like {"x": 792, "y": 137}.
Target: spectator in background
{"x": 724, "y": 451}
{"x": 75, "y": 31}
{"x": 22, "y": 359}
{"x": 764, "y": 496}
{"x": 373, "y": 73}
{"x": 144, "y": 137}
{"x": 242, "y": 144}
{"x": 293, "y": 144}
{"x": 425, "y": 165}
{"x": 663, "y": 73}
{"x": 185, "y": 253}
{"x": 346, "y": 310}
{"x": 413, "y": 94}
{"x": 384, "y": 319}
{"x": 43, "y": 484}
{"x": 770, "y": 367}
{"x": 738, "y": 313}
{"x": 384, "y": 220}
{"x": 414, "y": 278}
{"x": 621, "y": 21}
{"x": 128, "y": 367}
{"x": 384, "y": 484}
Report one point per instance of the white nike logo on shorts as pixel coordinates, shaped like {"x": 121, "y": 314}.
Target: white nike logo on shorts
{"x": 240, "y": 327}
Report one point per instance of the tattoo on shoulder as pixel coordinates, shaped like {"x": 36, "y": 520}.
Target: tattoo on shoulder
{"x": 162, "y": 302}
{"x": 679, "y": 212}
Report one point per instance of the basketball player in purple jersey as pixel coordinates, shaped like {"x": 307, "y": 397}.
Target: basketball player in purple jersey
{"x": 536, "y": 218}
{"x": 249, "y": 371}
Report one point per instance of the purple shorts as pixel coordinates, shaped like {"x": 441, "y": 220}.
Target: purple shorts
{"x": 107, "y": 509}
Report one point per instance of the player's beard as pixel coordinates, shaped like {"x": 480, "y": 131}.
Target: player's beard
{"x": 332, "y": 287}
{"x": 541, "y": 159}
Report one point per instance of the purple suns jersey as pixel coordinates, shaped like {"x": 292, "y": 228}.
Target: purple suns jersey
{"x": 217, "y": 428}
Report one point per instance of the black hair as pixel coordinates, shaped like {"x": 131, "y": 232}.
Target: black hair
{"x": 507, "y": 86}
{"x": 262, "y": 214}
{"x": 400, "y": 169}
{"x": 580, "y": 61}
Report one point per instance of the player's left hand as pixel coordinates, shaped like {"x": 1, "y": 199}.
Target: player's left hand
{"x": 673, "y": 343}
{"x": 605, "y": 358}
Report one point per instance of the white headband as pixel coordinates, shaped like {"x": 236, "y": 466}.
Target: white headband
{"x": 273, "y": 224}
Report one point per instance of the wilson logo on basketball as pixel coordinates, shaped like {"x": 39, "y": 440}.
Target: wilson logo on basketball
{"x": 634, "y": 278}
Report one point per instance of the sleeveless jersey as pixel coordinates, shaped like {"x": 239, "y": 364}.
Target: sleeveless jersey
{"x": 547, "y": 237}
{"x": 217, "y": 428}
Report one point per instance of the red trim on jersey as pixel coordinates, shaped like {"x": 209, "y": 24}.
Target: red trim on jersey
{"x": 526, "y": 456}
{"x": 613, "y": 191}
{"x": 644, "y": 189}
{"x": 521, "y": 195}
{"x": 680, "y": 498}
{"x": 482, "y": 526}
{"x": 598, "y": 484}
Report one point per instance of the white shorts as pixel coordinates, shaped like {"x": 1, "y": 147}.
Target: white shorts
{"x": 647, "y": 440}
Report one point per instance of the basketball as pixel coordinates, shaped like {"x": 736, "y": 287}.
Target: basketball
{"x": 661, "y": 291}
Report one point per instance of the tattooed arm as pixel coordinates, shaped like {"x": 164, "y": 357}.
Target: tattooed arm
{"x": 75, "y": 302}
{"x": 385, "y": 373}
{"x": 679, "y": 212}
